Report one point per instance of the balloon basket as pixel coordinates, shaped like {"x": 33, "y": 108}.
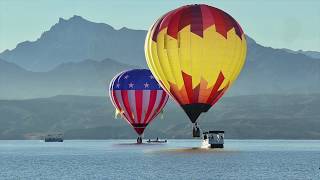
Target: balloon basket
{"x": 196, "y": 132}
{"x": 139, "y": 140}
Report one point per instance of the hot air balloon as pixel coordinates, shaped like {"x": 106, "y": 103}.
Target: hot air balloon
{"x": 196, "y": 53}
{"x": 138, "y": 97}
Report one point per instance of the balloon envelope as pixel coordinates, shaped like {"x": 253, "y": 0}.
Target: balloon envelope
{"x": 138, "y": 97}
{"x": 196, "y": 52}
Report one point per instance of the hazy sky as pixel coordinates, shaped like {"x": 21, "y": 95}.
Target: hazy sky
{"x": 289, "y": 24}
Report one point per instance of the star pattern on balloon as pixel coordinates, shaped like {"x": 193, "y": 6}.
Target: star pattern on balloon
{"x": 128, "y": 80}
{"x": 131, "y": 85}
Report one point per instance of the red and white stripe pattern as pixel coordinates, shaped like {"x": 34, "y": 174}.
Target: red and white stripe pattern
{"x": 139, "y": 107}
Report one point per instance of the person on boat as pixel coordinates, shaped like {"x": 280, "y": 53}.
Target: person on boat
{"x": 157, "y": 139}
{"x": 205, "y": 137}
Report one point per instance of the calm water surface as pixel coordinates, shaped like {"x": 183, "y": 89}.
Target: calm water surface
{"x": 178, "y": 159}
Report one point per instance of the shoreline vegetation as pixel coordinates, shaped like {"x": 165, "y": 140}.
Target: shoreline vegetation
{"x": 84, "y": 117}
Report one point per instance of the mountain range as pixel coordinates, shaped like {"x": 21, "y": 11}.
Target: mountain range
{"x": 75, "y": 40}
{"x": 79, "y": 57}
{"x": 59, "y": 83}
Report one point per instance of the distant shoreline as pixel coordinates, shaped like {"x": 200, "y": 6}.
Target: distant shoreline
{"x": 133, "y": 139}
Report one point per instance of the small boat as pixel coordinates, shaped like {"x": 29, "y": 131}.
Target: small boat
{"x": 53, "y": 138}
{"x": 156, "y": 141}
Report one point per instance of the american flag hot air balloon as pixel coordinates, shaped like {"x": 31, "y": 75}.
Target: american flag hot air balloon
{"x": 196, "y": 52}
{"x": 138, "y": 97}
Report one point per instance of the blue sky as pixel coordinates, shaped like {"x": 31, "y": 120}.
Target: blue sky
{"x": 276, "y": 23}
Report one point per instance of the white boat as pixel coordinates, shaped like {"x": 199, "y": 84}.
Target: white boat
{"x": 214, "y": 139}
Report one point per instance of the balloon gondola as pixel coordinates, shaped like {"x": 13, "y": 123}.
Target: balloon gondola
{"x": 196, "y": 52}
{"x": 196, "y": 132}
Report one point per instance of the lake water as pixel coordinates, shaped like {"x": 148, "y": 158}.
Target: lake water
{"x": 178, "y": 159}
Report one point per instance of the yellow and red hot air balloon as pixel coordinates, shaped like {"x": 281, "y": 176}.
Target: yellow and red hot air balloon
{"x": 196, "y": 52}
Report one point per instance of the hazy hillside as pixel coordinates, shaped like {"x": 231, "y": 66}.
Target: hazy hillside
{"x": 272, "y": 116}
{"x": 275, "y": 71}
{"x": 313, "y": 54}
{"x": 62, "y": 49}
{"x": 84, "y": 78}
{"x": 76, "y": 39}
